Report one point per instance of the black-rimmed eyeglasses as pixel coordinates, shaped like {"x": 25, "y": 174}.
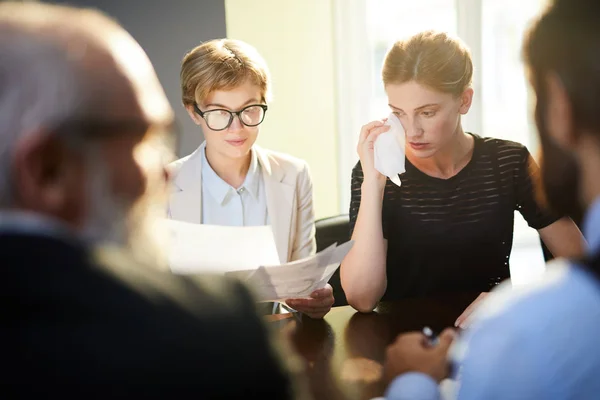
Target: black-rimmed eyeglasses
{"x": 221, "y": 119}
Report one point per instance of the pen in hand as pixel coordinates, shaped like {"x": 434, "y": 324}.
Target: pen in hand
{"x": 432, "y": 339}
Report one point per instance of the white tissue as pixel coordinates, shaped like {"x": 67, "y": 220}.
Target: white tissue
{"x": 389, "y": 150}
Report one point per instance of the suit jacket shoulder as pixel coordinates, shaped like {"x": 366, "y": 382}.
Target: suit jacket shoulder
{"x": 176, "y": 166}
{"x": 284, "y": 161}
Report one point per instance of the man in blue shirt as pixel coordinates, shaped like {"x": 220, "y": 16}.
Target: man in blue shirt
{"x": 538, "y": 342}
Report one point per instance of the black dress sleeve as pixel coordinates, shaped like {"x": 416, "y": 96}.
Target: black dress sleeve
{"x": 526, "y": 173}
{"x": 355, "y": 184}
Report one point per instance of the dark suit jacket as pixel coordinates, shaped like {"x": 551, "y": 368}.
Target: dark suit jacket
{"x": 72, "y": 324}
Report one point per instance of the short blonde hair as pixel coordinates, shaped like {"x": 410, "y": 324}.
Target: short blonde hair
{"x": 433, "y": 59}
{"x": 222, "y": 64}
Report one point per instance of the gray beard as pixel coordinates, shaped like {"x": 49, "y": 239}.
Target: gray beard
{"x": 107, "y": 215}
{"x": 116, "y": 222}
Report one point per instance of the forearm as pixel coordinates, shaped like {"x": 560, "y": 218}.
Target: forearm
{"x": 363, "y": 271}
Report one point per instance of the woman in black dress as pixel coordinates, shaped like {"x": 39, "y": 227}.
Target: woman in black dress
{"x": 449, "y": 226}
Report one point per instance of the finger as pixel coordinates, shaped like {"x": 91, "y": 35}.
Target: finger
{"x": 314, "y": 309}
{"x": 366, "y": 128}
{"x": 375, "y": 132}
{"x": 461, "y": 318}
{"x": 324, "y": 301}
{"x": 294, "y": 303}
{"x": 305, "y": 302}
{"x": 446, "y": 338}
{"x": 300, "y": 302}
{"x": 322, "y": 293}
{"x": 373, "y": 136}
{"x": 460, "y": 321}
{"x": 465, "y": 314}
{"x": 310, "y": 303}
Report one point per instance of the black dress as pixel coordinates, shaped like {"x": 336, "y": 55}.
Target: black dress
{"x": 448, "y": 235}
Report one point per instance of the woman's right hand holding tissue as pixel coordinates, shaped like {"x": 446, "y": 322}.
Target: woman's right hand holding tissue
{"x": 365, "y": 148}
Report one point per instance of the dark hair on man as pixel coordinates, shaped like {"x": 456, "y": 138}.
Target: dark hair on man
{"x": 565, "y": 40}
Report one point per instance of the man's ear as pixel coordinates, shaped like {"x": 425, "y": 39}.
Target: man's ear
{"x": 466, "y": 99}
{"x": 48, "y": 176}
{"x": 559, "y": 112}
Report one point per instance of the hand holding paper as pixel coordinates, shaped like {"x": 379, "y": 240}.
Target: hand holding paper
{"x": 389, "y": 150}
{"x": 249, "y": 254}
{"x": 317, "y": 306}
{"x": 297, "y": 279}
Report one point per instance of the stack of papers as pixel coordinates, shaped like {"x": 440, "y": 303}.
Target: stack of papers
{"x": 249, "y": 254}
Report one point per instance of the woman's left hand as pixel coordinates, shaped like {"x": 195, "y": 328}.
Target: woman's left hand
{"x": 461, "y": 321}
{"x": 317, "y": 306}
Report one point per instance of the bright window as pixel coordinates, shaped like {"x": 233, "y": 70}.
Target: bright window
{"x": 390, "y": 20}
{"x": 505, "y": 93}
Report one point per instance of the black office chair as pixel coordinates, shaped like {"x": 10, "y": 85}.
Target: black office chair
{"x": 332, "y": 230}
{"x": 547, "y": 254}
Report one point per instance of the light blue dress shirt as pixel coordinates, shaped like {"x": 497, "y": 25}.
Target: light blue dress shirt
{"x": 225, "y": 205}
{"x": 543, "y": 345}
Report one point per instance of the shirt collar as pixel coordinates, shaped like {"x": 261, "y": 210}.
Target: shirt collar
{"x": 219, "y": 189}
{"x": 591, "y": 226}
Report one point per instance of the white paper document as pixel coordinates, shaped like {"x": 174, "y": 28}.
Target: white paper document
{"x": 296, "y": 279}
{"x": 249, "y": 254}
{"x": 196, "y": 248}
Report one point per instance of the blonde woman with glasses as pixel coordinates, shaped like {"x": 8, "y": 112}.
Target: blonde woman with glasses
{"x": 229, "y": 180}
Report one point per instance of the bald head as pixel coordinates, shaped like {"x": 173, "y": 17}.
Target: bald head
{"x": 70, "y": 80}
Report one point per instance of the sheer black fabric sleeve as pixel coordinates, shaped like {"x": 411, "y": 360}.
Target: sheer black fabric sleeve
{"x": 526, "y": 172}
{"x": 355, "y": 184}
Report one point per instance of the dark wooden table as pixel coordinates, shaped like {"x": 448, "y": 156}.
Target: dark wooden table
{"x": 345, "y": 351}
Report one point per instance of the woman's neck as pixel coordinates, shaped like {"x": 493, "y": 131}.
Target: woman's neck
{"x": 232, "y": 170}
{"x": 449, "y": 160}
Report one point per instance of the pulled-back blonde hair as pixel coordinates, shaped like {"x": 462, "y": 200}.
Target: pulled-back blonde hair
{"x": 222, "y": 64}
{"x": 433, "y": 59}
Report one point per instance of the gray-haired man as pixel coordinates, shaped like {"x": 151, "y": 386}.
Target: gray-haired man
{"x": 84, "y": 120}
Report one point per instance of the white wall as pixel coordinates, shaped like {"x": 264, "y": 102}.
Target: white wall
{"x": 296, "y": 39}
{"x": 167, "y": 30}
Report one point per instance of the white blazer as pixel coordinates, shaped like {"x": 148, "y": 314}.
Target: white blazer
{"x": 288, "y": 188}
